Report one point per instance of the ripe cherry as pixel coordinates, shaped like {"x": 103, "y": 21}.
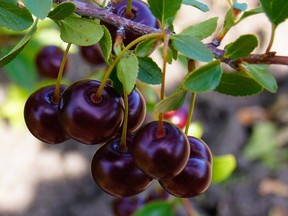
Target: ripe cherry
{"x": 126, "y": 206}
{"x": 141, "y": 14}
{"x": 137, "y": 110}
{"x": 41, "y": 115}
{"x": 48, "y": 61}
{"x": 160, "y": 155}
{"x": 177, "y": 117}
{"x": 196, "y": 176}
{"x": 92, "y": 54}
{"x": 115, "y": 172}
{"x": 89, "y": 120}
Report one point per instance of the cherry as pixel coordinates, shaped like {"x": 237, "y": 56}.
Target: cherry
{"x": 115, "y": 171}
{"x": 126, "y": 206}
{"x": 141, "y": 14}
{"x": 158, "y": 194}
{"x": 177, "y": 117}
{"x": 48, "y": 61}
{"x": 87, "y": 119}
{"x": 196, "y": 176}
{"x": 160, "y": 155}
{"x": 137, "y": 110}
{"x": 41, "y": 115}
{"x": 92, "y": 54}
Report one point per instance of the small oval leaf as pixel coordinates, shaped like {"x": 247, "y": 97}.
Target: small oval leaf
{"x": 62, "y": 11}
{"x": 261, "y": 75}
{"x": 127, "y": 71}
{"x": 242, "y": 47}
{"x": 149, "y": 72}
{"x": 236, "y": 84}
{"x": 80, "y": 31}
{"x": 14, "y": 17}
{"x": 39, "y": 9}
{"x": 205, "y": 78}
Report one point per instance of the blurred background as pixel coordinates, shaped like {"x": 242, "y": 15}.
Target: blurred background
{"x": 38, "y": 179}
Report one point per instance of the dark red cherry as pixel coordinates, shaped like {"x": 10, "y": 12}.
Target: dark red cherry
{"x": 115, "y": 171}
{"x": 196, "y": 176}
{"x": 88, "y": 120}
{"x": 160, "y": 155}
{"x": 48, "y": 61}
{"x": 92, "y": 54}
{"x": 141, "y": 14}
{"x": 41, "y": 116}
{"x": 177, "y": 117}
{"x": 137, "y": 110}
{"x": 126, "y": 206}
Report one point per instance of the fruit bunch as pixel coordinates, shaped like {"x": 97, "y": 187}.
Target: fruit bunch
{"x": 131, "y": 154}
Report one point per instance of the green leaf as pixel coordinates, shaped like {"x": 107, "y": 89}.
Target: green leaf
{"x": 192, "y": 48}
{"x": 22, "y": 70}
{"x": 262, "y": 143}
{"x": 172, "y": 102}
{"x": 163, "y": 9}
{"x": 235, "y": 84}
{"x": 156, "y": 208}
{"x": 39, "y": 9}
{"x": 196, "y": 4}
{"x": 261, "y": 75}
{"x": 19, "y": 47}
{"x": 222, "y": 168}
{"x": 251, "y": 13}
{"x": 242, "y": 47}
{"x": 149, "y": 72}
{"x": 205, "y": 78}
{"x": 145, "y": 48}
{"x": 14, "y": 17}
{"x": 106, "y": 44}
{"x": 276, "y": 10}
{"x": 127, "y": 71}
{"x": 80, "y": 31}
{"x": 201, "y": 30}
{"x": 229, "y": 21}
{"x": 62, "y": 11}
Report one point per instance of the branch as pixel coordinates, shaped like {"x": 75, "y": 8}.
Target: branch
{"x": 105, "y": 14}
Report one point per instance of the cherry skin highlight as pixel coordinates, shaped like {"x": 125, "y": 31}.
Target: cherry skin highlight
{"x": 87, "y": 120}
{"x": 160, "y": 157}
{"x": 48, "y": 61}
{"x": 196, "y": 176}
{"x": 115, "y": 171}
{"x": 41, "y": 116}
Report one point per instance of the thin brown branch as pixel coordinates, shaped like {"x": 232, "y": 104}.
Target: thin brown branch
{"x": 105, "y": 14}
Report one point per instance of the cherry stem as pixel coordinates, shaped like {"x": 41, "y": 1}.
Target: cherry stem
{"x": 191, "y": 68}
{"x": 128, "y": 13}
{"x": 272, "y": 37}
{"x": 191, "y": 111}
{"x": 56, "y": 95}
{"x": 160, "y": 129}
{"x": 189, "y": 209}
{"x": 118, "y": 57}
{"x": 123, "y": 146}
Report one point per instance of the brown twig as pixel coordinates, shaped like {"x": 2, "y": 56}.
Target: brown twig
{"x": 105, "y": 14}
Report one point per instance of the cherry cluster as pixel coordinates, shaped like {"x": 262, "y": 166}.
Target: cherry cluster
{"x": 131, "y": 154}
